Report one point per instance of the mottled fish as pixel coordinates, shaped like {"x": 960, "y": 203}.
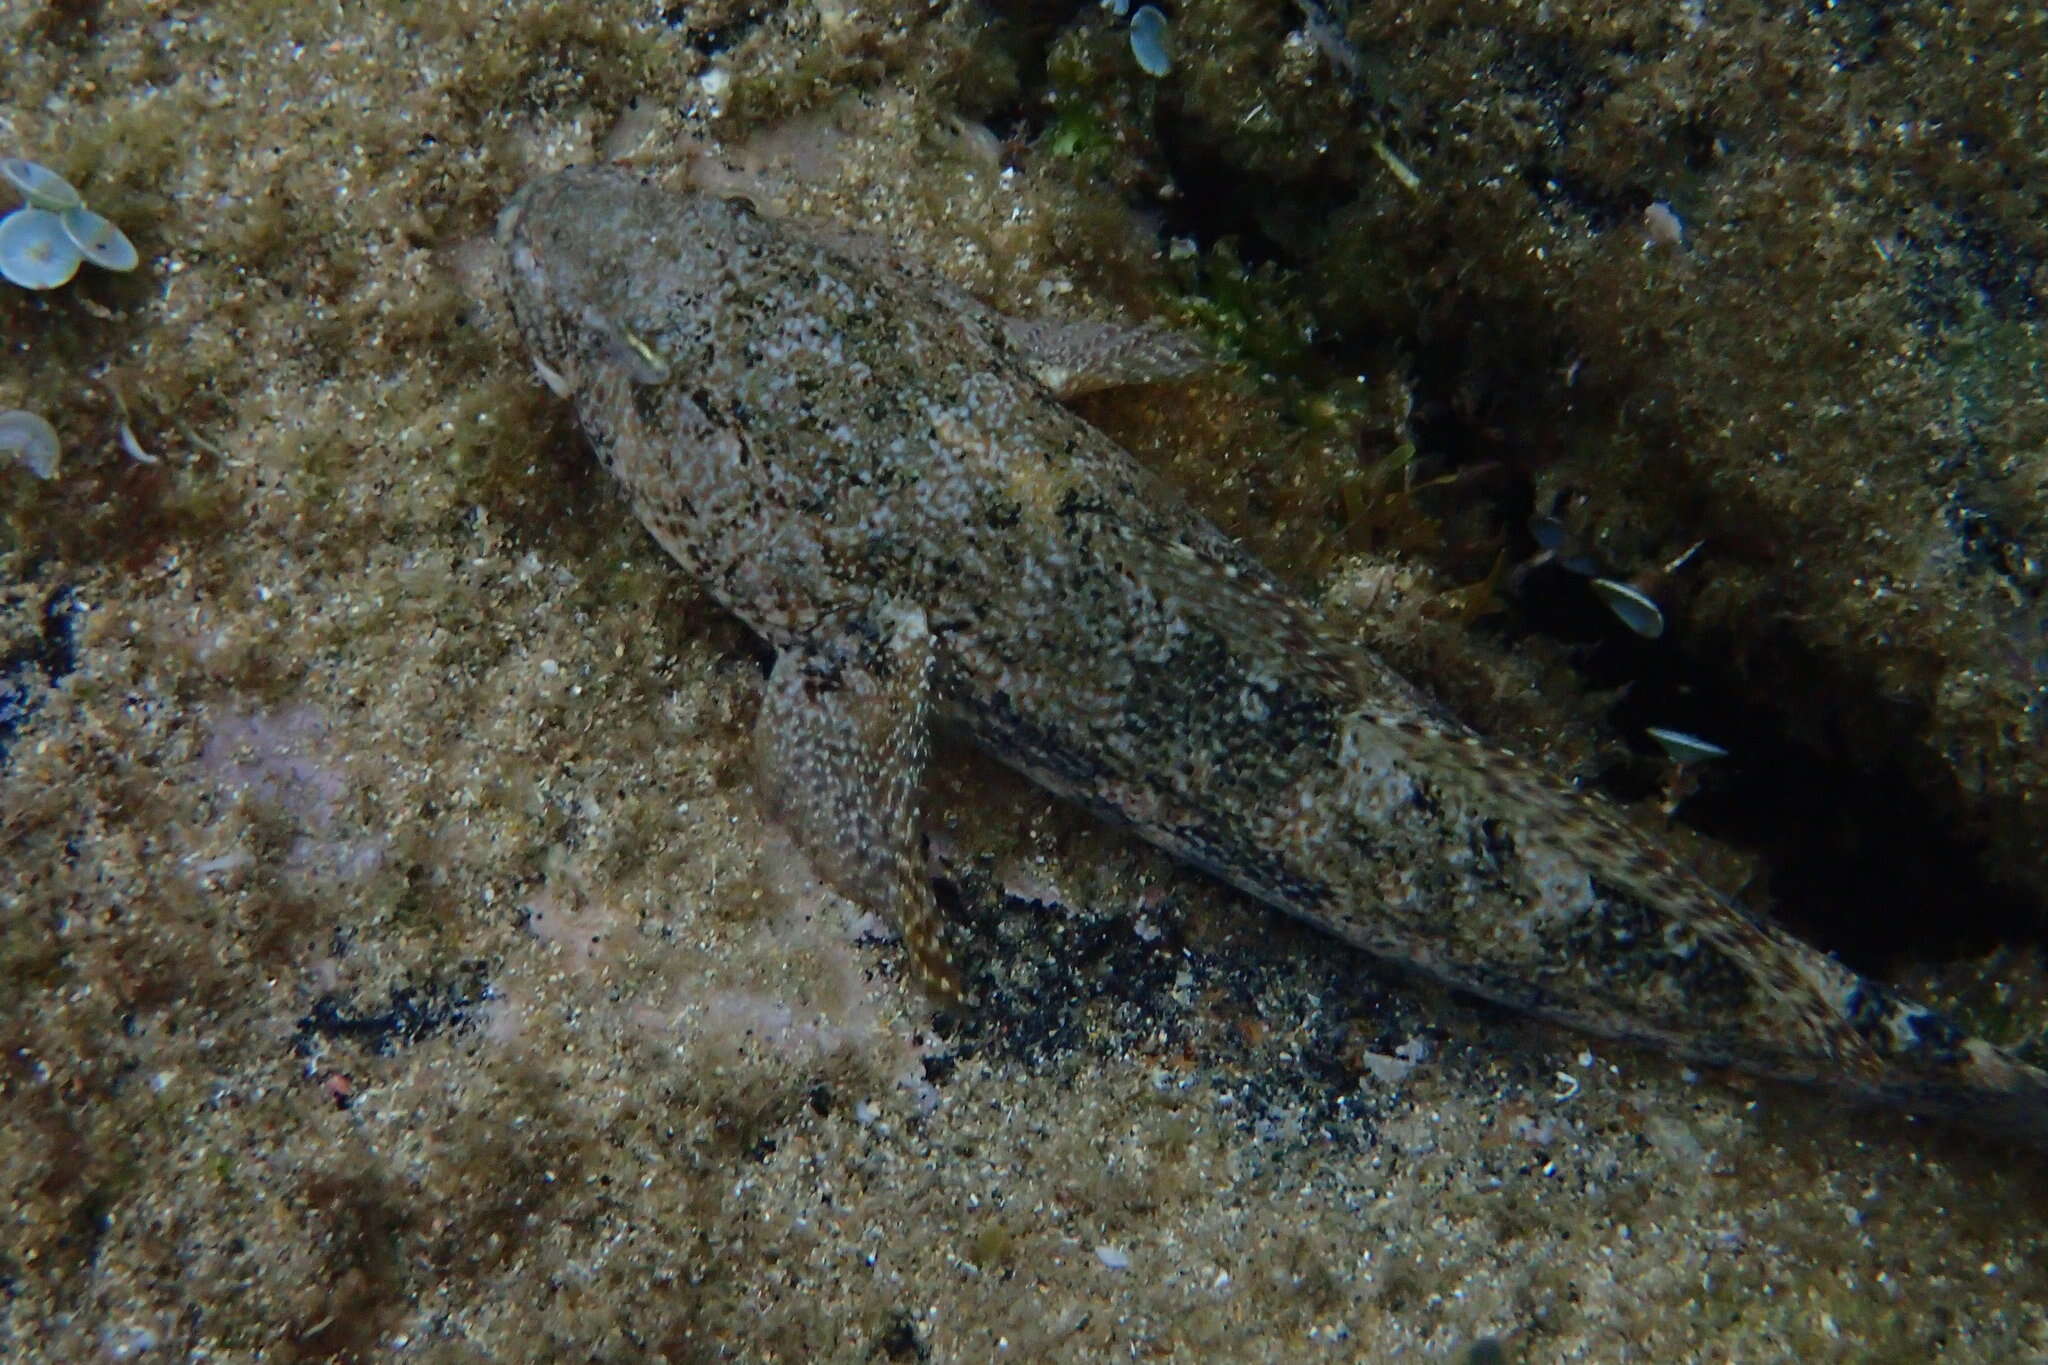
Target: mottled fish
{"x": 875, "y": 473}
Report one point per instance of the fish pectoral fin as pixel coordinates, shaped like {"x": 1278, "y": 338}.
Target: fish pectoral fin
{"x": 841, "y": 743}
{"x": 1073, "y": 357}
{"x": 1070, "y": 356}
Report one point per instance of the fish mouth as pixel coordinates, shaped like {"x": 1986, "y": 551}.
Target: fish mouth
{"x": 521, "y": 264}
{"x": 514, "y": 210}
{"x": 525, "y": 287}
{"x": 513, "y": 214}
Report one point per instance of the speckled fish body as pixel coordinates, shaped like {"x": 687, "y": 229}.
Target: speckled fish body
{"x": 875, "y": 475}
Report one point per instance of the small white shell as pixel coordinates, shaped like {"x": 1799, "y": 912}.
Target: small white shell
{"x": 1634, "y": 607}
{"x": 1663, "y": 226}
{"x": 1149, "y": 43}
{"x": 98, "y": 240}
{"x": 35, "y": 251}
{"x": 1681, "y": 747}
{"x": 33, "y": 441}
{"x": 41, "y": 186}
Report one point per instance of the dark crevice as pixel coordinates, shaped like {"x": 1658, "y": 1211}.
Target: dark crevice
{"x": 72, "y": 25}
{"x": 1266, "y": 218}
{"x": 37, "y": 663}
{"x": 1858, "y": 855}
{"x": 1594, "y": 207}
{"x": 1026, "y": 30}
{"x": 722, "y": 30}
{"x": 1860, "y": 852}
{"x": 411, "y": 1014}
